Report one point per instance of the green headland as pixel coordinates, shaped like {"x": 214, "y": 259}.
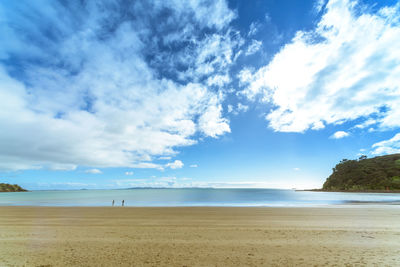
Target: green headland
{"x": 11, "y": 188}
{"x": 365, "y": 174}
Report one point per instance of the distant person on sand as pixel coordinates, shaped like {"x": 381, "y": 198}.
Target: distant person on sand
{"x": 123, "y": 202}
{"x": 113, "y": 203}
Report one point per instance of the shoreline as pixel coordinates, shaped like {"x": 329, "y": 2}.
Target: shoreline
{"x": 310, "y": 206}
{"x": 351, "y": 191}
{"x": 199, "y": 236}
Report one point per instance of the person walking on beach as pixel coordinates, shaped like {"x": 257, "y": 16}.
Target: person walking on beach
{"x": 123, "y": 202}
{"x": 113, "y": 203}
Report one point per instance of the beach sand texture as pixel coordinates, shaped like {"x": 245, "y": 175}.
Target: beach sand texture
{"x": 200, "y": 236}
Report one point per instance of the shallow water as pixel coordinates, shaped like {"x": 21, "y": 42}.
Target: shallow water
{"x": 191, "y": 197}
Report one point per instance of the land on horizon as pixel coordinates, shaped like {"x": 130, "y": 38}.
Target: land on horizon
{"x": 379, "y": 174}
{"x": 11, "y": 188}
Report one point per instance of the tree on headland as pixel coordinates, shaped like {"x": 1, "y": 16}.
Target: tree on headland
{"x": 362, "y": 157}
{"x": 11, "y": 188}
{"x": 379, "y": 173}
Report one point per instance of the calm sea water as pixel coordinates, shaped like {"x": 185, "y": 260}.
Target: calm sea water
{"x": 190, "y": 197}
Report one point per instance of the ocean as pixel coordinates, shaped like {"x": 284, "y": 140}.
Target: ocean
{"x": 192, "y": 197}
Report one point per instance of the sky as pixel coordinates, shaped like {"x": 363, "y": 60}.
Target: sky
{"x": 198, "y": 93}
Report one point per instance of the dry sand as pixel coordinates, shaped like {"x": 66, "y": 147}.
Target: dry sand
{"x": 200, "y": 236}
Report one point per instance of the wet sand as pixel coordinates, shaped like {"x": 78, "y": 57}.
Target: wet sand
{"x": 200, "y": 236}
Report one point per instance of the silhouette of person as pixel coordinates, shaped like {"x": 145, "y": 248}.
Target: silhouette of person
{"x": 123, "y": 203}
{"x": 113, "y": 203}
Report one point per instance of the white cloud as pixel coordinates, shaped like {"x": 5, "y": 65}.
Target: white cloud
{"x": 165, "y": 158}
{"x": 130, "y": 173}
{"x": 177, "y": 164}
{"x": 347, "y": 68}
{"x": 254, "y": 28}
{"x": 99, "y": 92}
{"x": 242, "y": 108}
{"x": 390, "y": 146}
{"x": 339, "y": 134}
{"x": 318, "y": 5}
{"x": 210, "y": 58}
{"x": 253, "y": 47}
{"x": 213, "y": 13}
{"x": 145, "y": 182}
{"x": 296, "y": 169}
{"x": 239, "y": 108}
{"x": 194, "y": 166}
{"x": 185, "y": 182}
{"x": 219, "y": 80}
{"x": 147, "y": 165}
{"x": 93, "y": 171}
{"x": 267, "y": 17}
{"x": 174, "y": 182}
{"x": 62, "y": 167}
{"x": 211, "y": 123}
{"x": 366, "y": 123}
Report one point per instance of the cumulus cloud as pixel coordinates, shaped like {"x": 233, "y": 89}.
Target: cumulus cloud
{"x": 347, "y": 68}
{"x": 211, "y": 122}
{"x": 339, "y": 134}
{"x": 129, "y": 173}
{"x": 390, "y": 146}
{"x": 106, "y": 84}
{"x": 93, "y": 171}
{"x": 177, "y": 164}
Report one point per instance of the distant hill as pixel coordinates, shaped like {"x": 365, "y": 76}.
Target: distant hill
{"x": 11, "y": 188}
{"x": 379, "y": 173}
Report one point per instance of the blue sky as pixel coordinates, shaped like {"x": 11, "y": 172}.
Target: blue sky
{"x": 116, "y": 94}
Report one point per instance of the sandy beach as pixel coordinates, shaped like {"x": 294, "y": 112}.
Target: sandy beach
{"x": 200, "y": 236}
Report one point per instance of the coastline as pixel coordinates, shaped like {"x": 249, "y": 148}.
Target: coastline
{"x": 351, "y": 191}
{"x": 199, "y": 236}
{"x": 191, "y": 198}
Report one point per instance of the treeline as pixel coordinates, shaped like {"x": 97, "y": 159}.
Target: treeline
{"x": 379, "y": 173}
{"x": 11, "y": 188}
